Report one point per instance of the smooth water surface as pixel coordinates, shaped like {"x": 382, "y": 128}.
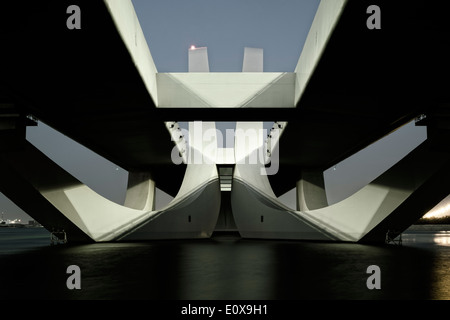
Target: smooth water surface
{"x": 225, "y": 267}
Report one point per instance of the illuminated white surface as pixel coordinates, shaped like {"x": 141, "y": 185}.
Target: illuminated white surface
{"x": 226, "y": 90}
{"x": 104, "y": 220}
{"x": 198, "y": 59}
{"x": 129, "y": 28}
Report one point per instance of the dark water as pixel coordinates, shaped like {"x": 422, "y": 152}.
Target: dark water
{"x": 225, "y": 267}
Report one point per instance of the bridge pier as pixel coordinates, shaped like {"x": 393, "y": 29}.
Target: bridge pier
{"x": 60, "y": 202}
{"x": 311, "y": 191}
{"x": 393, "y": 201}
{"x": 140, "y": 191}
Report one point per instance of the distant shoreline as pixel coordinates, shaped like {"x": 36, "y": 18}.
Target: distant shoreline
{"x": 428, "y": 227}
{"x": 441, "y": 220}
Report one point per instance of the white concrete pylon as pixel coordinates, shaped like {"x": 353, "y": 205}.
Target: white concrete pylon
{"x": 311, "y": 191}
{"x": 249, "y": 136}
{"x": 72, "y": 206}
{"x": 198, "y": 59}
{"x": 140, "y": 191}
{"x": 253, "y": 60}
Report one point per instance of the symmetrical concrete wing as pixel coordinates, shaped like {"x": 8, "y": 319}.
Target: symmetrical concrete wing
{"x": 97, "y": 83}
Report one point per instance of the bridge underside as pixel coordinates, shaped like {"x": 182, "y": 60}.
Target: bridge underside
{"x": 386, "y": 206}
{"x": 99, "y": 86}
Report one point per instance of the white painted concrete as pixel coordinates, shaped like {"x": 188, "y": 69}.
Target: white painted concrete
{"x": 127, "y": 23}
{"x": 226, "y": 90}
{"x": 348, "y": 220}
{"x": 253, "y": 60}
{"x": 325, "y": 20}
{"x": 198, "y": 60}
{"x": 104, "y": 220}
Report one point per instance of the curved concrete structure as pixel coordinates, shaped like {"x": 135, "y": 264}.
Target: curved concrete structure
{"x": 258, "y": 213}
{"x": 140, "y": 191}
{"x": 346, "y": 92}
{"x": 61, "y": 202}
{"x": 192, "y": 214}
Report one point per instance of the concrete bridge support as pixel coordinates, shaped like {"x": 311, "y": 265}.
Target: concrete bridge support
{"x": 390, "y": 202}
{"x": 140, "y": 191}
{"x": 311, "y": 191}
{"x": 60, "y": 202}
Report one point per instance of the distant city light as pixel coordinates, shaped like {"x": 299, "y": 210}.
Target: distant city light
{"x": 192, "y": 47}
{"x": 438, "y": 211}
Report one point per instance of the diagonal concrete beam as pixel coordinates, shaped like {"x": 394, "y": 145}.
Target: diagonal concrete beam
{"x": 391, "y": 202}
{"x": 127, "y": 23}
{"x": 325, "y": 20}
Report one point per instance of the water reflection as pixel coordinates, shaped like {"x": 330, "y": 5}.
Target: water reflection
{"x": 230, "y": 268}
{"x": 437, "y": 243}
{"x": 442, "y": 238}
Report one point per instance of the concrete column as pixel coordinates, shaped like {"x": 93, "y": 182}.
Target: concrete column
{"x": 311, "y": 191}
{"x": 198, "y": 59}
{"x": 140, "y": 191}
